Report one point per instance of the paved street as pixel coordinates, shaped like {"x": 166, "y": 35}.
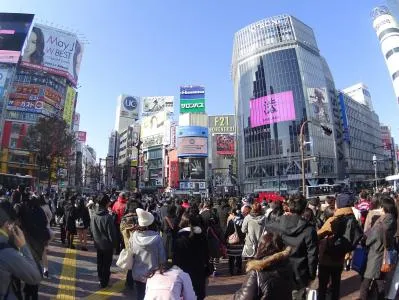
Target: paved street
{"x": 73, "y": 275}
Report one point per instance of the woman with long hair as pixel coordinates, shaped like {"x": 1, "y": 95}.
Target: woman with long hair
{"x": 82, "y": 223}
{"x": 191, "y": 251}
{"x": 380, "y": 240}
{"x": 253, "y": 226}
{"x": 34, "y": 51}
{"x": 234, "y": 240}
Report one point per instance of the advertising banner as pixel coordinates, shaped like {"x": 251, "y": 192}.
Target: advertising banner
{"x": 221, "y": 177}
{"x": 3, "y": 76}
{"x": 13, "y": 31}
{"x": 192, "y": 169}
{"x": 69, "y": 105}
{"x": 318, "y": 101}
{"x": 344, "y": 118}
{"x": 76, "y": 121}
{"x": 192, "y": 92}
{"x": 153, "y": 125}
{"x": 34, "y": 92}
{"x": 222, "y": 124}
{"x": 272, "y": 109}
{"x": 27, "y": 77}
{"x": 54, "y": 51}
{"x": 153, "y": 105}
{"x": 152, "y": 141}
{"x": 31, "y": 106}
{"x": 81, "y": 136}
{"x": 195, "y": 131}
{"x": 129, "y": 106}
{"x": 192, "y": 106}
{"x": 225, "y": 144}
{"x": 22, "y": 116}
{"x": 192, "y": 146}
{"x": 173, "y": 169}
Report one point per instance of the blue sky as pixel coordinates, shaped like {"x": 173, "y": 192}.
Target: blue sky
{"x": 151, "y": 47}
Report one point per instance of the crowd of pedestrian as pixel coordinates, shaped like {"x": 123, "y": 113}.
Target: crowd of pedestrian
{"x": 172, "y": 246}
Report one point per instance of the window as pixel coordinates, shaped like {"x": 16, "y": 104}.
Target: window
{"x": 16, "y": 128}
{"x": 13, "y": 142}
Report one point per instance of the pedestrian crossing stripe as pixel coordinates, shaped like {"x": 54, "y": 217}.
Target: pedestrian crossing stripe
{"x": 67, "y": 285}
{"x": 117, "y": 287}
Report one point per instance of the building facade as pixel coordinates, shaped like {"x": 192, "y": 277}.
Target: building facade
{"x": 387, "y": 30}
{"x": 280, "y": 80}
{"x": 362, "y": 138}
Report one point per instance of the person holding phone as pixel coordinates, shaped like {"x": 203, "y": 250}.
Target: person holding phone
{"x": 16, "y": 260}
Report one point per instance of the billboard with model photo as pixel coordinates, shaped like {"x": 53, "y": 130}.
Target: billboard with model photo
{"x": 13, "y": 31}
{"x": 272, "y": 109}
{"x": 152, "y": 105}
{"x": 192, "y": 168}
{"x": 225, "y": 144}
{"x": 54, "y": 51}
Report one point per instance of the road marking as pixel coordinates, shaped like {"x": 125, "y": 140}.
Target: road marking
{"x": 67, "y": 286}
{"x": 117, "y": 287}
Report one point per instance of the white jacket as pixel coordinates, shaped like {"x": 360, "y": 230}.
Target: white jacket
{"x": 171, "y": 285}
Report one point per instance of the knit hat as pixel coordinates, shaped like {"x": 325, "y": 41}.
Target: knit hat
{"x": 344, "y": 200}
{"x": 144, "y": 218}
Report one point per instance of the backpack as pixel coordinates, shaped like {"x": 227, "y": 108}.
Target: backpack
{"x": 347, "y": 234}
{"x": 15, "y": 283}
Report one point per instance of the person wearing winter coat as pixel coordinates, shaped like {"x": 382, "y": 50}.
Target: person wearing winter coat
{"x": 70, "y": 221}
{"x": 83, "y": 223}
{"x": 169, "y": 230}
{"x": 49, "y": 215}
{"x": 332, "y": 260}
{"x": 105, "y": 239}
{"x": 148, "y": 251}
{"x": 16, "y": 259}
{"x": 191, "y": 252}
{"x": 223, "y": 211}
{"x": 302, "y": 237}
{"x": 380, "y": 238}
{"x": 270, "y": 273}
{"x": 119, "y": 209}
{"x": 169, "y": 283}
{"x": 253, "y": 226}
{"x": 234, "y": 250}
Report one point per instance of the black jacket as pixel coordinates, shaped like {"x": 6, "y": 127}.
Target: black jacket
{"x": 83, "y": 213}
{"x": 103, "y": 230}
{"x": 302, "y": 237}
{"x": 268, "y": 278}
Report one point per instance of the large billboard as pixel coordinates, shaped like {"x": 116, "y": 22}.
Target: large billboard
{"x": 272, "y": 109}
{"x": 31, "y": 106}
{"x": 192, "y": 146}
{"x": 153, "y": 125}
{"x": 225, "y": 144}
{"x": 81, "y": 136}
{"x": 54, "y": 51}
{"x": 192, "y": 169}
{"x": 3, "y": 76}
{"x": 222, "y": 124}
{"x": 129, "y": 106}
{"x": 192, "y": 99}
{"x": 153, "y": 105}
{"x": 173, "y": 169}
{"x": 69, "y": 105}
{"x": 13, "y": 31}
{"x": 318, "y": 101}
{"x": 199, "y": 131}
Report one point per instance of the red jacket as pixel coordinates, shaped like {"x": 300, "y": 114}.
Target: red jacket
{"x": 119, "y": 208}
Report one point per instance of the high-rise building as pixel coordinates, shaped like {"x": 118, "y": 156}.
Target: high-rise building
{"x": 387, "y": 29}
{"x": 393, "y": 6}
{"x": 361, "y": 137}
{"x": 360, "y": 93}
{"x": 280, "y": 80}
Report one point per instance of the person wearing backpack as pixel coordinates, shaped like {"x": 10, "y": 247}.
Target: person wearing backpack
{"x": 339, "y": 235}
{"x": 15, "y": 264}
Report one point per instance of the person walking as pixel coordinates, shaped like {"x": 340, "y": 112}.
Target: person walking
{"x": 49, "y": 215}
{"x": 234, "y": 238}
{"x": 82, "y": 223}
{"x": 16, "y": 259}
{"x": 119, "y": 209}
{"x": 269, "y": 273}
{"x": 380, "y": 240}
{"x": 169, "y": 230}
{"x": 105, "y": 239}
{"x": 298, "y": 233}
{"x": 191, "y": 252}
{"x": 70, "y": 221}
{"x": 148, "y": 251}
{"x": 253, "y": 226}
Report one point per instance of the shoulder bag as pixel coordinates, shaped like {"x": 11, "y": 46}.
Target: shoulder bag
{"x": 233, "y": 238}
{"x": 125, "y": 260}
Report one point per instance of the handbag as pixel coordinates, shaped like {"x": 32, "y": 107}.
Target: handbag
{"x": 125, "y": 260}
{"x": 79, "y": 223}
{"x": 233, "y": 238}
{"x": 59, "y": 220}
{"x": 359, "y": 259}
{"x": 389, "y": 260}
{"x": 312, "y": 295}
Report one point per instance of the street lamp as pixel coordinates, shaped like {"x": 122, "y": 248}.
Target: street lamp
{"x": 375, "y": 171}
{"x": 327, "y": 131}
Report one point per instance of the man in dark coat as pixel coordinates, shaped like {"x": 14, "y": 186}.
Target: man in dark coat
{"x": 302, "y": 237}
{"x": 223, "y": 212}
{"x": 105, "y": 239}
{"x": 70, "y": 221}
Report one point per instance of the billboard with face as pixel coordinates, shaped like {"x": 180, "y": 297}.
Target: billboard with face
{"x": 153, "y": 105}
{"x": 272, "y": 109}
{"x": 13, "y": 31}
{"x": 192, "y": 169}
{"x": 54, "y": 51}
{"x": 225, "y": 144}
{"x": 318, "y": 101}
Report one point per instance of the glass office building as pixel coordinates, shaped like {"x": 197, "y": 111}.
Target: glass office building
{"x": 280, "y": 80}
